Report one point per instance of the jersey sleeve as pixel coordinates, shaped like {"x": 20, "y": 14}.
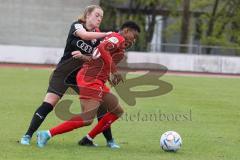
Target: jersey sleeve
{"x": 110, "y": 44}
{"x": 105, "y": 55}
{"x": 77, "y": 27}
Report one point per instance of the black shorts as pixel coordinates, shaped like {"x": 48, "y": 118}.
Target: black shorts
{"x": 64, "y": 76}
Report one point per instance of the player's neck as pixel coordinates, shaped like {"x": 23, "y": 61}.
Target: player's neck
{"x": 89, "y": 27}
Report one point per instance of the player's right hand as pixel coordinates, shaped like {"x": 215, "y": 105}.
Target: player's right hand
{"x": 115, "y": 79}
{"x": 108, "y": 33}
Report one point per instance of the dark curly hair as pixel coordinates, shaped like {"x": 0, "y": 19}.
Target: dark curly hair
{"x": 132, "y": 25}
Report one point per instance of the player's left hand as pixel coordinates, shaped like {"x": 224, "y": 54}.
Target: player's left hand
{"x": 79, "y": 55}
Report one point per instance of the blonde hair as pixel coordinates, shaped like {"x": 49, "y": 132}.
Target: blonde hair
{"x": 87, "y": 10}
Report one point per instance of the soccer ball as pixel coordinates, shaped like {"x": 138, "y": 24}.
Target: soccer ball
{"x": 170, "y": 141}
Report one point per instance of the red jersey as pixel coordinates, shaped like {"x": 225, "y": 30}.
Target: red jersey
{"x": 108, "y": 53}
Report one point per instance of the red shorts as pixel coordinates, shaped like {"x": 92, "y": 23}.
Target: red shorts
{"x": 94, "y": 89}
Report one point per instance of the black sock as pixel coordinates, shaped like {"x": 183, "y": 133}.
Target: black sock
{"x": 38, "y": 117}
{"x": 107, "y": 133}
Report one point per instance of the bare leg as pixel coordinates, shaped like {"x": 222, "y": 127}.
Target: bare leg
{"x": 52, "y": 98}
{"x": 89, "y": 110}
{"x": 115, "y": 111}
{"x": 112, "y": 104}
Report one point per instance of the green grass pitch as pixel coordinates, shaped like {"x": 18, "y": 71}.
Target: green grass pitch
{"x": 208, "y": 111}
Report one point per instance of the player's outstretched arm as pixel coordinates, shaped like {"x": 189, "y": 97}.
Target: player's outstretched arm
{"x": 82, "y": 33}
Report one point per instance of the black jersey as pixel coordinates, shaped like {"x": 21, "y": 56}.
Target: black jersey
{"x": 68, "y": 67}
{"x": 75, "y": 43}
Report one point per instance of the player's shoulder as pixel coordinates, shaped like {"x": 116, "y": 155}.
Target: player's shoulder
{"x": 117, "y": 35}
{"x": 115, "y": 38}
{"x": 77, "y": 25}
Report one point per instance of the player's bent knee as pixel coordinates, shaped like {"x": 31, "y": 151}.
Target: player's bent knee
{"x": 88, "y": 122}
{"x": 118, "y": 111}
{"x": 51, "y": 98}
{"x": 121, "y": 111}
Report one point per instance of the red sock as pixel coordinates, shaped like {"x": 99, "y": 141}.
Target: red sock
{"x": 67, "y": 126}
{"x": 103, "y": 124}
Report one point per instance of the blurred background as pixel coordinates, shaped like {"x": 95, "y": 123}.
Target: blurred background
{"x": 183, "y": 35}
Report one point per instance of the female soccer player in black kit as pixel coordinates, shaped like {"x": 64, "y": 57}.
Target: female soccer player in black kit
{"x": 84, "y": 37}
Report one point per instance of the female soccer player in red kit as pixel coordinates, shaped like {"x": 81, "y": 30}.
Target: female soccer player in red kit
{"x": 91, "y": 81}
